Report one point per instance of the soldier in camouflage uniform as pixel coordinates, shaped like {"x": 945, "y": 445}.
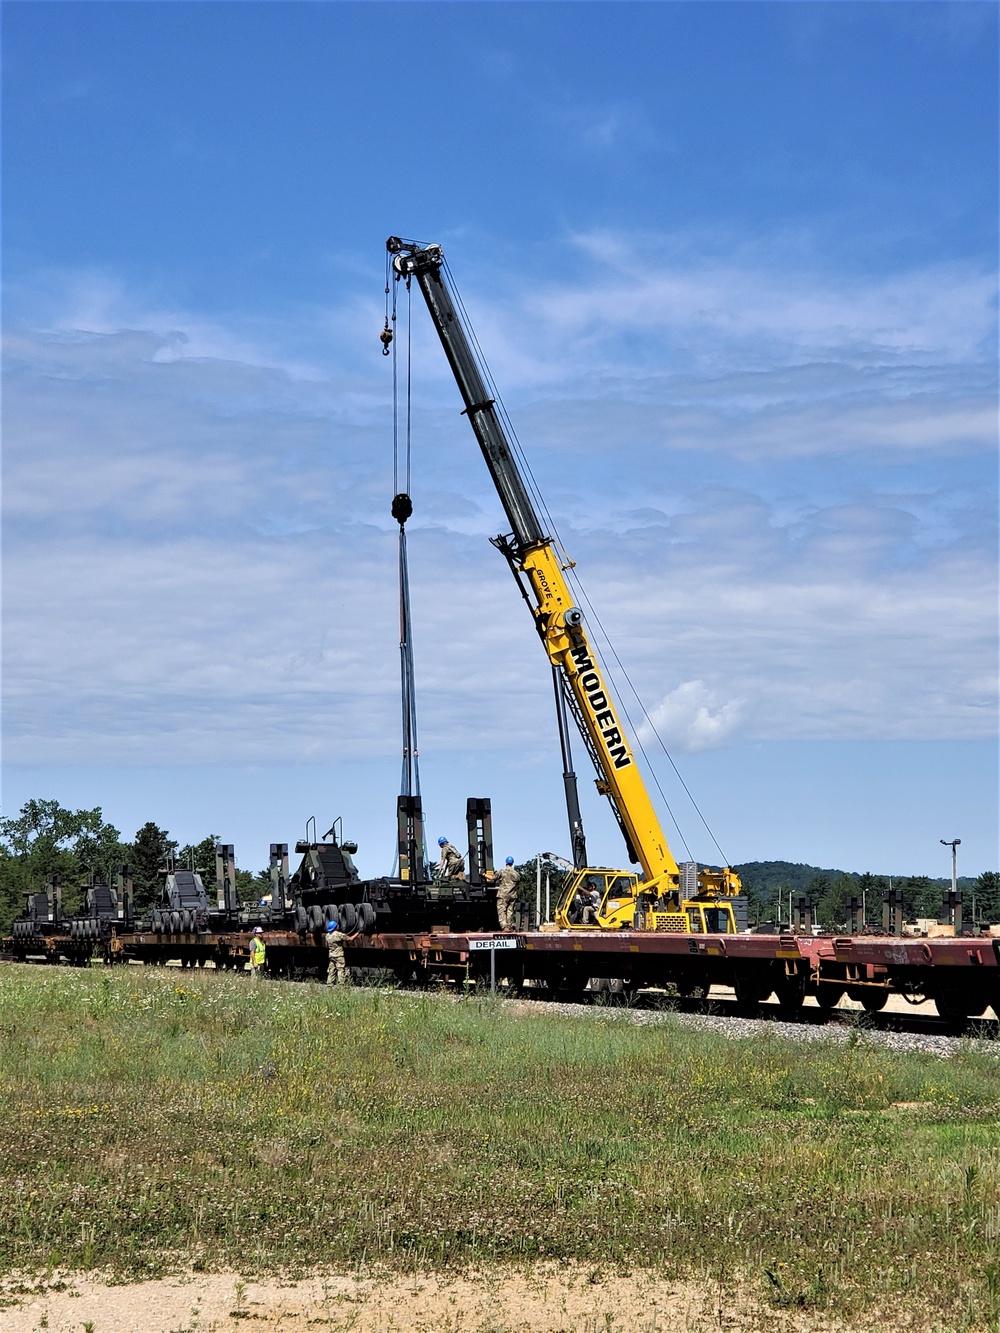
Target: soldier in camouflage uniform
{"x": 336, "y": 967}
{"x": 452, "y": 863}
{"x": 507, "y": 882}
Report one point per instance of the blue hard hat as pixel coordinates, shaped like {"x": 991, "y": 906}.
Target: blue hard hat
{"x": 442, "y": 841}
{"x": 510, "y": 860}
{"x": 331, "y": 926}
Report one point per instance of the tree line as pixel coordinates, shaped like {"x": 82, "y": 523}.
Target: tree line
{"x": 45, "y": 839}
{"x": 768, "y": 885}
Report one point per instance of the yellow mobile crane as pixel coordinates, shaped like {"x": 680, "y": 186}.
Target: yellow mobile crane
{"x": 667, "y": 896}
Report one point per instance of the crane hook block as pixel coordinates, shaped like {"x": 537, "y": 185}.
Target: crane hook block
{"x": 385, "y": 338}
{"x": 402, "y": 507}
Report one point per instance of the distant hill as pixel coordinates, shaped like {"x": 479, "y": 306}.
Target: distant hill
{"x": 764, "y": 877}
{"x": 765, "y": 882}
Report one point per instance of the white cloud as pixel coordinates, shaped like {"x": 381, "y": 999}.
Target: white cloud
{"x": 200, "y": 561}
{"x": 691, "y": 718}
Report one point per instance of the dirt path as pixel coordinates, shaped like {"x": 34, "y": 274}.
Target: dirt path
{"x": 542, "y": 1300}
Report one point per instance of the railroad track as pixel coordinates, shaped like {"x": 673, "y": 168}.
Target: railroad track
{"x": 917, "y": 1031}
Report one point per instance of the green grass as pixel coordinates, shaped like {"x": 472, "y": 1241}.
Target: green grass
{"x": 156, "y": 1120}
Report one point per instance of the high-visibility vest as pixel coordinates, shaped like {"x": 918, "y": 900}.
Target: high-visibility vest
{"x": 257, "y": 952}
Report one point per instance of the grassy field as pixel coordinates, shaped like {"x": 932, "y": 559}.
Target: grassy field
{"x": 157, "y": 1120}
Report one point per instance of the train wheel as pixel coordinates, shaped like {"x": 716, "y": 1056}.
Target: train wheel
{"x": 692, "y": 988}
{"x": 749, "y": 993}
{"x": 828, "y": 996}
{"x": 568, "y": 986}
{"x": 956, "y": 1006}
{"x": 951, "y": 1009}
{"x": 873, "y": 1001}
{"x": 791, "y": 992}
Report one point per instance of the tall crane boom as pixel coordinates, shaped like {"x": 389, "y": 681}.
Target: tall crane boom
{"x": 540, "y": 570}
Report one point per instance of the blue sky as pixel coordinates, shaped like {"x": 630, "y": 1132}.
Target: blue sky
{"x": 734, "y": 268}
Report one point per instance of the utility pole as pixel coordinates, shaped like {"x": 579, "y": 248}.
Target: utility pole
{"x": 954, "y": 903}
{"x": 954, "y": 844}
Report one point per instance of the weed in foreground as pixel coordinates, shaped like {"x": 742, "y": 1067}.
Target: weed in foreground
{"x": 422, "y": 1132}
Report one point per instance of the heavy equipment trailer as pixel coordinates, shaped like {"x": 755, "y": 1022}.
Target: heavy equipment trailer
{"x": 186, "y": 921}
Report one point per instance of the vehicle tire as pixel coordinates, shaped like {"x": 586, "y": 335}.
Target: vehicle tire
{"x": 175, "y": 923}
{"x": 348, "y": 918}
{"x": 301, "y": 920}
{"x": 366, "y": 918}
{"x": 330, "y": 912}
{"x": 316, "y": 919}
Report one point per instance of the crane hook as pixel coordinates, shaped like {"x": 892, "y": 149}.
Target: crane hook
{"x": 385, "y": 338}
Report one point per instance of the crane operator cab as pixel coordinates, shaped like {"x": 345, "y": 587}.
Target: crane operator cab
{"x": 597, "y": 898}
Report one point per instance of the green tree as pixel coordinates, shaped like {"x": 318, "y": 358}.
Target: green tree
{"x": 871, "y": 888}
{"x": 252, "y": 887}
{"x": 987, "y": 891}
{"x": 921, "y": 897}
{"x": 832, "y": 901}
{"x": 147, "y": 857}
{"x": 200, "y": 857}
{"x": 44, "y": 839}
